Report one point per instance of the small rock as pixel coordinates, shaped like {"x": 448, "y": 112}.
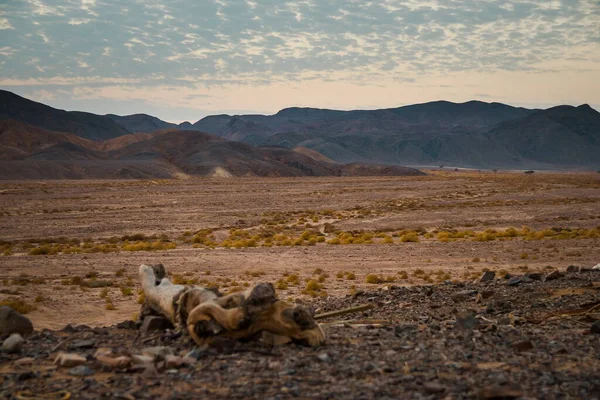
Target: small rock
{"x": 173, "y": 361}
{"x": 197, "y": 353}
{"x": 499, "y": 392}
{"x": 526, "y": 279}
{"x": 83, "y": 344}
{"x": 129, "y": 324}
{"x": 324, "y": 357}
{"x": 153, "y": 323}
{"x": 522, "y": 345}
{"x": 13, "y": 344}
{"x": 274, "y": 340}
{"x": 514, "y": 281}
{"x": 463, "y": 295}
{"x": 25, "y": 361}
{"x": 13, "y": 322}
{"x": 138, "y": 359}
{"x": 81, "y": 370}
{"x": 158, "y": 351}
{"x": 466, "y": 320}
{"x": 69, "y": 360}
{"x": 487, "y": 276}
{"x": 572, "y": 268}
{"x": 434, "y": 387}
{"x": 595, "y": 328}
{"x": 118, "y": 362}
{"x": 103, "y": 351}
{"x": 534, "y": 276}
{"x": 402, "y": 330}
{"x": 596, "y": 267}
{"x": 554, "y": 275}
{"x": 486, "y": 294}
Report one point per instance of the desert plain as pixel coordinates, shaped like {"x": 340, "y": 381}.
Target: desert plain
{"x": 413, "y": 248}
{"x": 405, "y": 230}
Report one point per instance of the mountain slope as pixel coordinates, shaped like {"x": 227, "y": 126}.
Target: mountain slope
{"x": 562, "y": 135}
{"x": 141, "y": 123}
{"x": 86, "y": 125}
{"x": 28, "y": 152}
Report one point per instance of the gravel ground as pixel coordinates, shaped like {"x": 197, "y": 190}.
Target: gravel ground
{"x": 484, "y": 340}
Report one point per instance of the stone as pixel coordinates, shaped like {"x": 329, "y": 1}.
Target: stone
{"x": 463, "y": 295}
{"x": 69, "y": 360}
{"x": 25, "y": 361}
{"x": 129, "y": 324}
{"x": 466, "y": 320}
{"x": 13, "y": 344}
{"x": 197, "y": 353}
{"x": 83, "y": 344}
{"x": 486, "y": 294}
{"x": 554, "y": 275}
{"x": 158, "y": 351}
{"x": 499, "y": 392}
{"x": 103, "y": 351}
{"x": 273, "y": 339}
{"x": 572, "y": 268}
{"x": 596, "y": 267}
{"x": 514, "y": 281}
{"x": 522, "y": 345}
{"x": 173, "y": 361}
{"x": 487, "y": 276}
{"x": 13, "y": 322}
{"x": 81, "y": 370}
{"x": 154, "y": 323}
{"x": 534, "y": 276}
{"x": 324, "y": 357}
{"x": 118, "y": 362}
{"x": 138, "y": 359}
{"x": 434, "y": 387}
{"x": 595, "y": 328}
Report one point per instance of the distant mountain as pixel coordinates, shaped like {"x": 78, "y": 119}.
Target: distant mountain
{"x": 141, "y": 123}
{"x": 562, "y": 135}
{"x": 28, "y": 152}
{"x": 472, "y": 134}
{"x": 86, "y": 125}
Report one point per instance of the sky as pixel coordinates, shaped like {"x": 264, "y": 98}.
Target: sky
{"x": 185, "y": 59}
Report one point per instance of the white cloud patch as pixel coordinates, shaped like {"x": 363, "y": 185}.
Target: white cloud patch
{"x": 215, "y": 43}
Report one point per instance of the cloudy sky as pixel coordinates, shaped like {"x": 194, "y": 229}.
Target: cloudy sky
{"x": 184, "y": 59}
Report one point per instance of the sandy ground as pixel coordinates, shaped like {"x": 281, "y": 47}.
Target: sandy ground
{"x": 103, "y": 209}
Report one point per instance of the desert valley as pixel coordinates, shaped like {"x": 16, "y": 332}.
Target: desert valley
{"x": 470, "y": 282}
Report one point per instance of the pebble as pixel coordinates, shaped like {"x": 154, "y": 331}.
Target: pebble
{"x": 158, "y": 351}
{"x": 324, "y": 357}
{"x": 81, "y": 370}
{"x": 466, "y": 320}
{"x": 434, "y": 387}
{"x": 25, "y": 361}
{"x": 553, "y": 275}
{"x": 153, "y": 323}
{"x": 487, "y": 276}
{"x": 83, "y": 344}
{"x": 13, "y": 322}
{"x": 13, "y": 344}
{"x": 572, "y": 268}
{"x": 118, "y": 362}
{"x": 595, "y": 328}
{"x": 536, "y": 276}
{"x": 514, "y": 281}
{"x": 197, "y": 353}
{"x": 129, "y": 324}
{"x": 137, "y": 359}
{"x": 69, "y": 360}
{"x": 522, "y": 345}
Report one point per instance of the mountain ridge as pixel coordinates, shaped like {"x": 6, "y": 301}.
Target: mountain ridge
{"x": 473, "y": 134}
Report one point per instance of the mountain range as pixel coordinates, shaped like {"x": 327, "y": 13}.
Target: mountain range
{"x": 300, "y": 141}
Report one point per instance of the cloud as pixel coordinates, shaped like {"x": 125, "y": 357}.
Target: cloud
{"x": 264, "y": 42}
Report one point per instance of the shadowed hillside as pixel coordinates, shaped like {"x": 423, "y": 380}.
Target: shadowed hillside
{"x": 472, "y": 134}
{"x": 28, "y": 152}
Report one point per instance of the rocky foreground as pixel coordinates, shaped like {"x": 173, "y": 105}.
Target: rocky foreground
{"x": 533, "y": 336}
